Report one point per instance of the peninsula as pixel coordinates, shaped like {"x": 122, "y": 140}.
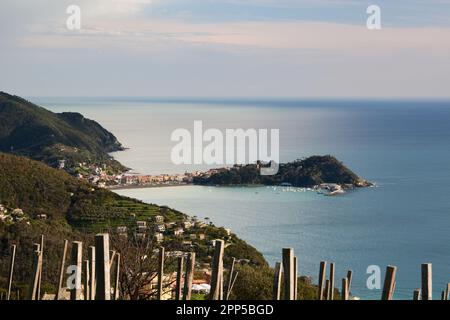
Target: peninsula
{"x": 309, "y": 172}
{"x": 324, "y": 173}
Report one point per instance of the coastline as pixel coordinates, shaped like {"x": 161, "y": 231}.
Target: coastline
{"x": 325, "y": 190}
{"x": 112, "y": 188}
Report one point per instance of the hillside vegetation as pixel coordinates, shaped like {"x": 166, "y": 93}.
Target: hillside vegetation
{"x": 29, "y": 130}
{"x": 305, "y": 173}
{"x": 76, "y": 210}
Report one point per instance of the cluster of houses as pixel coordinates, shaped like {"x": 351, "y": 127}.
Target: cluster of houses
{"x": 92, "y": 172}
{"x": 99, "y": 175}
{"x": 143, "y": 180}
{"x": 100, "y": 178}
{"x": 189, "y": 231}
{"x": 186, "y": 178}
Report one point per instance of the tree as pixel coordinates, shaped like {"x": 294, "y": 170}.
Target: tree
{"x": 139, "y": 267}
{"x": 256, "y": 283}
{"x": 253, "y": 283}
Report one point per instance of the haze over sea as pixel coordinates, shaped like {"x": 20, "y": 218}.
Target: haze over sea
{"x": 402, "y": 146}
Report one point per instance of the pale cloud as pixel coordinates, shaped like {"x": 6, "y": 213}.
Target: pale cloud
{"x": 268, "y": 35}
{"x": 135, "y": 47}
{"x": 101, "y": 8}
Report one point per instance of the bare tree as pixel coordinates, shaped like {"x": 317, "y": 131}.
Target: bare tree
{"x": 139, "y": 267}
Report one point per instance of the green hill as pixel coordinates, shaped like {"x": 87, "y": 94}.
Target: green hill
{"x": 29, "y": 130}
{"x": 76, "y": 210}
{"x": 307, "y": 172}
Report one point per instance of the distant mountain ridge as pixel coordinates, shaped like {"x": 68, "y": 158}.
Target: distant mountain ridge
{"x": 30, "y": 130}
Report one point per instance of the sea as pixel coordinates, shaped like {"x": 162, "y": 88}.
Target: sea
{"x": 403, "y": 146}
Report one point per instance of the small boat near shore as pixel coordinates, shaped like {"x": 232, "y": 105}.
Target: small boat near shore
{"x": 329, "y": 189}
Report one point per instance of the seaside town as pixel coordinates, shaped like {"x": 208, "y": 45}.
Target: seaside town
{"x": 100, "y": 176}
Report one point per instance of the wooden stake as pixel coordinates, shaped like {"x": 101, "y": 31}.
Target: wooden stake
{"x": 327, "y": 290}
{"x": 103, "y": 285}
{"x": 86, "y": 280}
{"x": 221, "y": 283}
{"x": 230, "y": 277}
{"x": 344, "y": 292}
{"x": 41, "y": 248}
{"x": 389, "y": 283}
{"x": 427, "y": 291}
{"x": 189, "y": 277}
{"x": 288, "y": 272}
{"x": 11, "y": 270}
{"x": 160, "y": 273}
{"x": 416, "y": 295}
{"x": 76, "y": 260}
{"x": 112, "y": 256}
{"x": 295, "y": 278}
{"x": 232, "y": 285}
{"x": 322, "y": 270}
{"x": 92, "y": 279}
{"x": 117, "y": 284}
{"x": 276, "y": 293}
{"x": 331, "y": 296}
{"x": 447, "y": 291}
{"x": 59, "y": 295}
{"x": 38, "y": 288}
{"x": 179, "y": 290}
{"x": 217, "y": 271}
{"x": 349, "y": 278}
{"x": 32, "y": 289}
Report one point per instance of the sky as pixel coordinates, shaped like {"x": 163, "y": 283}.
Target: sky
{"x": 226, "y": 48}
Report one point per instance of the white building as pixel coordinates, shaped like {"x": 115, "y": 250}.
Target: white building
{"x": 160, "y": 228}
{"x": 178, "y": 232}
{"x": 141, "y": 223}
{"x": 122, "y": 229}
{"x": 187, "y": 224}
{"x": 159, "y": 237}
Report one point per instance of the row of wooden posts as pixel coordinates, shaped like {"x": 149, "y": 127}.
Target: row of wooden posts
{"x": 287, "y": 270}
{"x": 425, "y": 293}
{"x": 97, "y": 268}
{"x": 97, "y": 277}
{"x": 217, "y": 278}
{"x": 183, "y": 291}
{"x": 97, "y": 280}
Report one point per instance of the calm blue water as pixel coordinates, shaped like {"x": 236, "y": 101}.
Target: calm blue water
{"x": 402, "y": 146}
